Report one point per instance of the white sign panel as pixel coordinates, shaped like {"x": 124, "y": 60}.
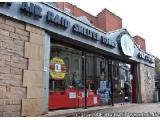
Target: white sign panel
{"x": 72, "y": 95}
{"x": 57, "y": 67}
{"x": 94, "y": 100}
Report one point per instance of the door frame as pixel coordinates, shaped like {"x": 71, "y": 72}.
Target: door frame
{"x": 46, "y": 71}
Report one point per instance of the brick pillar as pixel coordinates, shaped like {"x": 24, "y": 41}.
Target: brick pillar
{"x": 140, "y": 42}
{"x": 108, "y": 21}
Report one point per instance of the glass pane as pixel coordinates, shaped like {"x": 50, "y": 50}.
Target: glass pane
{"x": 65, "y": 85}
{"x": 103, "y": 82}
{"x": 98, "y": 85}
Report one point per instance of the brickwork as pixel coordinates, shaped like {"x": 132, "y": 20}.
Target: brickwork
{"x": 75, "y": 11}
{"x": 12, "y": 63}
{"x": 140, "y": 41}
{"x": 105, "y": 20}
{"x": 147, "y": 83}
{"x": 108, "y": 21}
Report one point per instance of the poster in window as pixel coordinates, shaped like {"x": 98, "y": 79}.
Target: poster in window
{"x": 103, "y": 84}
{"x": 57, "y": 68}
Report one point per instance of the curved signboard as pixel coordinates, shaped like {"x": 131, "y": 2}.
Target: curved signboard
{"x": 127, "y": 45}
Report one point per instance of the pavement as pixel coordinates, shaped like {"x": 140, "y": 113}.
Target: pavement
{"x": 118, "y": 110}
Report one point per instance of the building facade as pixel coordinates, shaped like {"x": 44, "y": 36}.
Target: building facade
{"x": 55, "y": 56}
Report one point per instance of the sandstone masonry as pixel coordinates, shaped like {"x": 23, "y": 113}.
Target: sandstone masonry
{"x": 12, "y": 63}
{"x": 21, "y": 64}
{"x": 147, "y": 83}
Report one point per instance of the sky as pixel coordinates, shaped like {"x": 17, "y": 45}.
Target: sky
{"x": 140, "y": 17}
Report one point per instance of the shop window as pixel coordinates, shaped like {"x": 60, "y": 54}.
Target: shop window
{"x": 97, "y": 78}
{"x": 66, "y": 86}
{"x": 65, "y": 77}
{"x": 71, "y": 66}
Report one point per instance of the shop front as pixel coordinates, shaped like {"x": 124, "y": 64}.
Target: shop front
{"x": 82, "y": 78}
{"x": 72, "y": 64}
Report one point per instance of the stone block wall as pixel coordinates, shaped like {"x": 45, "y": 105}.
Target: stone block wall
{"x": 21, "y": 65}
{"x": 147, "y": 83}
{"x": 12, "y": 63}
{"x": 33, "y": 76}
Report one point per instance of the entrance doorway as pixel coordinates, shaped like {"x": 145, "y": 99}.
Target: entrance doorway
{"x": 121, "y": 77}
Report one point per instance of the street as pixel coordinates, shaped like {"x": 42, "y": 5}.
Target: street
{"x": 130, "y": 110}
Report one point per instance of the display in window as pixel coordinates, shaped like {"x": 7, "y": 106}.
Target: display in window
{"x": 57, "y": 68}
{"x": 104, "y": 92}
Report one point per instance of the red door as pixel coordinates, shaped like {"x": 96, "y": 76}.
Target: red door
{"x": 134, "y": 94}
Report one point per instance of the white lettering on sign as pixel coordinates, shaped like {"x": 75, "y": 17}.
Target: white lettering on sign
{"x": 146, "y": 57}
